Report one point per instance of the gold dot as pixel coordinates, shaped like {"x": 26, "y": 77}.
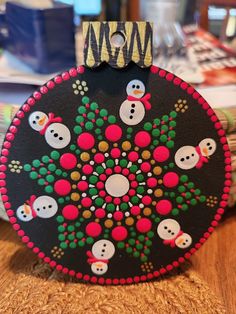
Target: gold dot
{"x": 160, "y": 181}
{"x": 177, "y": 109}
{"x": 79, "y": 206}
{"x": 75, "y": 175}
{"x": 136, "y": 148}
{"x": 97, "y": 220}
{"x": 182, "y": 110}
{"x": 147, "y": 211}
{"x": 176, "y": 105}
{"x": 74, "y": 186}
{"x": 93, "y": 150}
{"x": 129, "y": 221}
{"x": 115, "y": 144}
{"x": 87, "y": 214}
{"x": 103, "y": 146}
{"x": 185, "y": 101}
{"x": 146, "y": 154}
{"x": 118, "y": 223}
{"x": 186, "y": 107}
{"x": 79, "y": 165}
{"x": 126, "y": 145}
{"x": 138, "y": 217}
{"x": 108, "y": 223}
{"x": 180, "y": 106}
{"x": 179, "y": 101}
{"x": 152, "y": 162}
{"x": 158, "y": 192}
{"x": 154, "y": 203}
{"x": 85, "y": 156}
{"x": 157, "y": 170}
{"x": 75, "y": 197}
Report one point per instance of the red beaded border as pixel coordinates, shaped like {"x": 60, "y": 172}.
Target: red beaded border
{"x": 9, "y": 138}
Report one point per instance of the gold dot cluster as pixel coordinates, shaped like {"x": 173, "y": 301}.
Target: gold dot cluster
{"x": 181, "y": 106}
{"x": 15, "y": 166}
{"x": 57, "y": 252}
{"x": 211, "y": 201}
{"x": 147, "y": 267}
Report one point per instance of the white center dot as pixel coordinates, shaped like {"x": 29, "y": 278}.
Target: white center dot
{"x": 117, "y": 185}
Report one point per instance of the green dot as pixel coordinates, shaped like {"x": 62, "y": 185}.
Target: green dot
{"x": 133, "y": 168}
{"x": 72, "y": 245}
{"x": 77, "y": 151}
{"x": 112, "y": 119}
{"x": 172, "y": 124}
{"x": 124, "y": 206}
{"x": 155, "y": 142}
{"x": 141, "y": 237}
{"x": 184, "y": 178}
{"x": 99, "y": 169}
{"x": 157, "y": 121}
{"x": 67, "y": 198}
{"x": 129, "y": 250}
{"x": 139, "y": 246}
{"x": 100, "y": 137}
{"x": 58, "y": 172}
{"x": 202, "y": 198}
{"x": 99, "y": 201}
{"x": 110, "y": 163}
{"x": 55, "y": 155}
{"x": 89, "y": 240}
{"x": 147, "y": 126}
{"x": 33, "y": 175}
{"x": 72, "y": 147}
{"x": 91, "y": 115}
{"x": 133, "y": 234}
{"x": 179, "y": 199}
{"x": 163, "y": 138}
{"x": 120, "y": 245}
{"x": 156, "y": 132}
{"x": 77, "y": 224}
{"x": 93, "y": 179}
{"x": 144, "y": 258}
{"x": 61, "y": 228}
{"x": 150, "y": 234}
{"x": 99, "y": 122}
{"x": 60, "y": 219}
{"x": 81, "y": 243}
{"x": 36, "y": 163}
{"x": 135, "y": 200}
{"x": 71, "y": 237}
{"x": 171, "y": 134}
{"x": 146, "y": 251}
{"x": 165, "y": 118}
{"x": 110, "y": 207}
{"x": 103, "y": 113}
{"x": 43, "y": 171}
{"x": 93, "y": 191}
{"x": 41, "y": 181}
{"x": 106, "y": 236}
{"x": 181, "y": 189}
{"x": 171, "y": 165}
{"x": 61, "y": 237}
{"x": 131, "y": 242}
{"x": 193, "y": 202}
{"x": 45, "y": 159}
{"x": 81, "y": 109}
{"x": 184, "y": 207}
{"x": 94, "y": 106}
{"x": 98, "y": 131}
{"x": 85, "y": 100}
{"x": 63, "y": 245}
{"x": 79, "y": 235}
{"x": 188, "y": 195}
{"x": 88, "y": 125}
{"x": 79, "y": 119}
{"x": 173, "y": 114}
{"x": 140, "y": 190}
{"x": 197, "y": 192}
{"x": 123, "y": 163}
{"x": 172, "y": 194}
{"x": 128, "y": 136}
{"x": 27, "y": 167}
{"x": 50, "y": 178}
{"x": 77, "y": 129}
{"x": 170, "y": 144}
{"x": 129, "y": 130}
{"x": 64, "y": 174}
{"x": 136, "y": 254}
{"x": 148, "y": 243}
{"x": 61, "y": 200}
{"x": 157, "y": 219}
{"x": 175, "y": 212}
{"x": 52, "y": 167}
{"x": 190, "y": 185}
{"x": 140, "y": 177}
{"x": 48, "y": 189}
{"x": 164, "y": 128}
{"x": 71, "y": 228}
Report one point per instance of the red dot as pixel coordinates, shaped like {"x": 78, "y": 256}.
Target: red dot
{"x": 145, "y": 166}
{"x": 170, "y": 179}
{"x": 113, "y": 133}
{"x": 146, "y": 200}
{"x": 87, "y": 169}
{"x": 70, "y": 212}
{"x": 86, "y": 202}
{"x": 119, "y": 233}
{"x": 143, "y": 225}
{"x": 100, "y": 213}
{"x": 62, "y": 187}
{"x": 68, "y": 161}
{"x": 142, "y": 139}
{"x": 82, "y": 186}
{"x": 85, "y": 141}
{"x": 161, "y": 153}
{"x": 133, "y": 156}
{"x": 163, "y": 207}
{"x": 99, "y": 158}
{"x": 118, "y": 215}
{"x": 115, "y": 153}
{"x": 135, "y": 210}
{"x": 93, "y": 229}
{"x": 152, "y": 182}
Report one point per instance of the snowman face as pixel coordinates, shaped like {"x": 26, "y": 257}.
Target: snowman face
{"x": 135, "y": 88}
{"x": 207, "y": 146}
{"x": 24, "y": 213}
{"x": 45, "y": 206}
{"x": 184, "y": 241}
{"x": 57, "y": 135}
{"x": 186, "y": 157}
{"x": 38, "y": 120}
{"x": 99, "y": 268}
{"x": 132, "y": 112}
{"x": 103, "y": 249}
{"x": 168, "y": 229}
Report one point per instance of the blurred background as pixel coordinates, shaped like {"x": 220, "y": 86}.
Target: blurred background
{"x": 195, "y": 39}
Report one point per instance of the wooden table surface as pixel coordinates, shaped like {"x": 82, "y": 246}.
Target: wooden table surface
{"x": 215, "y": 261}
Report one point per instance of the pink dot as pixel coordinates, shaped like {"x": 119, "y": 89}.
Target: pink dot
{"x": 87, "y": 169}
{"x": 68, "y": 161}
{"x": 115, "y": 153}
{"x": 163, "y": 207}
{"x": 119, "y": 233}
{"x": 86, "y": 202}
{"x": 152, "y": 182}
{"x": 145, "y": 167}
{"x": 82, "y": 185}
{"x": 143, "y": 225}
{"x": 99, "y": 158}
{"x": 100, "y": 185}
{"x": 135, "y": 210}
{"x": 62, "y": 187}
{"x": 100, "y": 213}
{"x": 93, "y": 229}
{"x": 85, "y": 141}
{"x": 117, "y": 169}
{"x": 118, "y": 215}
{"x": 133, "y": 156}
{"x": 113, "y": 133}
{"x": 70, "y": 212}
{"x": 170, "y": 179}
{"x": 125, "y": 172}
{"x": 146, "y": 200}
{"x": 142, "y": 139}
{"x": 161, "y": 154}
{"x": 154, "y": 69}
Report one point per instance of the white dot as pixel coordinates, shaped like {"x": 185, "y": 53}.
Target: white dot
{"x": 13, "y": 162}
{"x": 12, "y": 170}
{"x": 84, "y": 194}
{"x": 123, "y": 154}
{"x": 18, "y": 171}
{"x": 78, "y": 82}
{"x": 74, "y": 85}
{"x": 76, "y": 92}
{"x": 149, "y": 191}
{"x": 106, "y": 154}
{"x": 109, "y": 215}
{"x": 85, "y": 88}
{"x": 117, "y": 185}
{"x": 91, "y": 162}
{"x": 82, "y": 93}
{"x": 141, "y": 206}
{"x": 140, "y": 161}
{"x": 80, "y": 87}
{"x": 149, "y": 174}
{"x": 83, "y": 83}
{"x": 83, "y": 178}
{"x": 92, "y": 208}
{"x": 127, "y": 214}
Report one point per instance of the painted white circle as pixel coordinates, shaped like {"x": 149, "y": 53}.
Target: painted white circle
{"x": 57, "y": 135}
{"x": 168, "y": 229}
{"x": 99, "y": 268}
{"x": 117, "y": 185}
{"x": 186, "y": 157}
{"x": 135, "y": 88}
{"x": 103, "y": 249}
{"x": 183, "y": 241}
{"x": 45, "y": 206}
{"x": 132, "y": 112}
{"x": 37, "y": 120}
{"x": 24, "y": 213}
{"x": 207, "y": 146}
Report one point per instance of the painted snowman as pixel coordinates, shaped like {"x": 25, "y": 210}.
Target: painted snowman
{"x": 102, "y": 252}
{"x": 188, "y": 157}
{"x": 57, "y": 135}
{"x": 169, "y": 230}
{"x": 42, "y": 206}
{"x": 132, "y": 110}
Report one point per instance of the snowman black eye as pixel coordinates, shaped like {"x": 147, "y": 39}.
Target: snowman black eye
{"x": 132, "y": 110}
{"x": 165, "y": 227}
{"x": 138, "y": 87}
{"x": 210, "y": 148}
{"x": 172, "y": 233}
{"x": 37, "y": 117}
{"x": 182, "y": 159}
{"x": 55, "y": 135}
{"x": 22, "y": 212}
{"x": 131, "y": 117}
{"x": 187, "y": 157}
{"x": 104, "y": 244}
{"x": 102, "y": 254}
{"x": 208, "y": 144}
{"x": 133, "y": 105}
{"x": 52, "y": 131}
{"x": 60, "y": 138}
{"x": 103, "y": 250}
{"x": 49, "y": 206}
{"x": 34, "y": 122}
{"x": 44, "y": 207}
{"x": 24, "y": 216}
{"x": 97, "y": 269}
{"x": 38, "y": 209}
{"x": 193, "y": 155}
{"x": 133, "y": 86}
{"x": 186, "y": 240}
{"x": 169, "y": 231}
